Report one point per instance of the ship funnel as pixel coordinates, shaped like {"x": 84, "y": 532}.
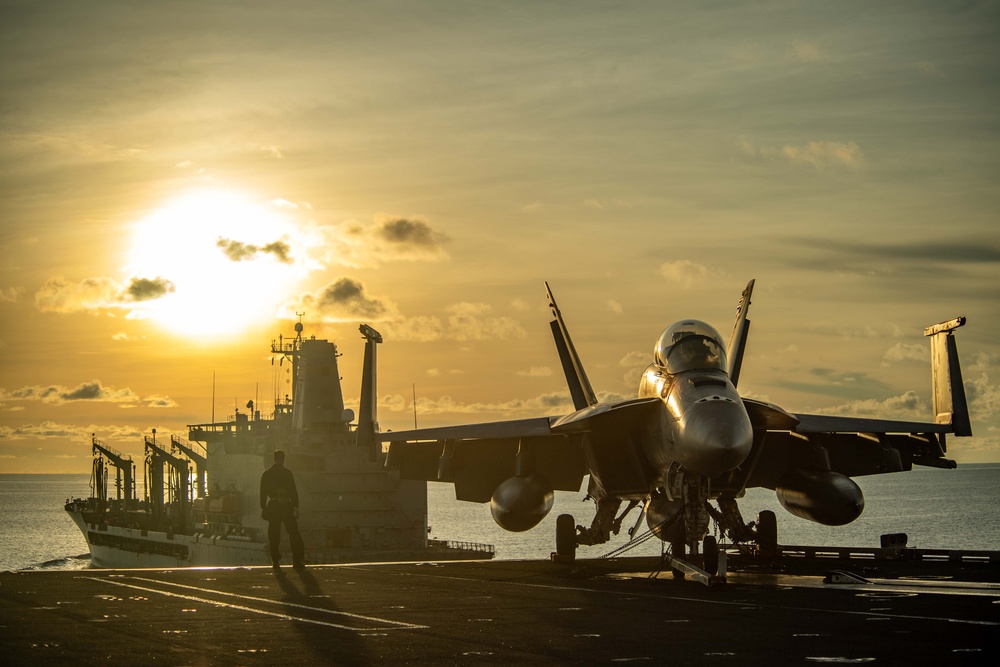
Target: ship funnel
{"x": 368, "y": 417}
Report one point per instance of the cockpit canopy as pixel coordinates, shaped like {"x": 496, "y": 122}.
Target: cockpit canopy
{"x": 690, "y": 345}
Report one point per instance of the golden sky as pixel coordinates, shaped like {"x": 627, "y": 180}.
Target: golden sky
{"x": 179, "y": 179}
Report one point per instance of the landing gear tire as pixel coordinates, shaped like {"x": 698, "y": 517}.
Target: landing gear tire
{"x": 767, "y": 534}
{"x": 710, "y": 555}
{"x": 565, "y": 538}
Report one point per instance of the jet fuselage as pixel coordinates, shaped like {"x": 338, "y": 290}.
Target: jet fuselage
{"x": 705, "y": 429}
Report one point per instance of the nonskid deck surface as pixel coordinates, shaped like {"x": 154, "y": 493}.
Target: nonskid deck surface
{"x": 501, "y": 612}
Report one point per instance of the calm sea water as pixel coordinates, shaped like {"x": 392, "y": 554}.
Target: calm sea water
{"x": 935, "y": 508}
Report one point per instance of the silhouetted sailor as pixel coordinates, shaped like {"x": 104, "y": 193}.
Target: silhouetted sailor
{"x": 279, "y": 503}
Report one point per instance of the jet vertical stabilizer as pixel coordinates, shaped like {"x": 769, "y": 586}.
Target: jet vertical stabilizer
{"x": 579, "y": 386}
{"x": 368, "y": 417}
{"x": 738, "y": 339}
{"x": 950, "y": 405}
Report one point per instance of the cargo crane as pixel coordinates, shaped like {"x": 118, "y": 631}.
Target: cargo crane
{"x": 125, "y": 473}
{"x": 200, "y": 462}
{"x": 179, "y": 500}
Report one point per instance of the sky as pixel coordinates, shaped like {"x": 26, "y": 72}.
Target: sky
{"x": 179, "y": 179}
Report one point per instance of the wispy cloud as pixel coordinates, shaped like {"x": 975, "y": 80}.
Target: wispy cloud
{"x": 462, "y": 322}
{"x": 98, "y": 294}
{"x": 273, "y": 151}
{"x": 684, "y": 272}
{"x": 10, "y": 294}
{"x": 818, "y": 155}
{"x": 535, "y": 372}
{"x": 805, "y": 51}
{"x": 906, "y": 352}
{"x": 905, "y": 406}
{"x": 93, "y": 391}
{"x": 49, "y": 429}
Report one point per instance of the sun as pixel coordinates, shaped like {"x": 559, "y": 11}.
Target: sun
{"x": 230, "y": 262}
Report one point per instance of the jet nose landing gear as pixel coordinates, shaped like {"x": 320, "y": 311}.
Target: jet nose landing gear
{"x": 565, "y": 539}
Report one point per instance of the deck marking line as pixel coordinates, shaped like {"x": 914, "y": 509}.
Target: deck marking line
{"x": 334, "y": 612}
{"x": 719, "y": 602}
{"x": 252, "y": 610}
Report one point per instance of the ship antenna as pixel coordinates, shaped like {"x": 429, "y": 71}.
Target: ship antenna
{"x": 414, "y": 406}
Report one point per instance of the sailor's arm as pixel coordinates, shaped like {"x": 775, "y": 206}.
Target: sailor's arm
{"x": 263, "y": 491}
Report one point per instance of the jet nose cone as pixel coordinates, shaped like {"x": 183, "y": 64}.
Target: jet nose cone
{"x": 716, "y": 436}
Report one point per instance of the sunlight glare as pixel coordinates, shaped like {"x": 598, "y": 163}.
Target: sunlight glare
{"x": 217, "y": 293}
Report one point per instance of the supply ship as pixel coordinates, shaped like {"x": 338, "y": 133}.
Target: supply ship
{"x": 200, "y": 505}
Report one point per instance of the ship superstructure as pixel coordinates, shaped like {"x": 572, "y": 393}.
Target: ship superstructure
{"x": 201, "y": 500}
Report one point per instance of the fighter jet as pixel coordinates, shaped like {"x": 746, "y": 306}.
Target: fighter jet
{"x": 687, "y": 440}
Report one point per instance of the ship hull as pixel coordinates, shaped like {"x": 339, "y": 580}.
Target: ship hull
{"x": 120, "y": 547}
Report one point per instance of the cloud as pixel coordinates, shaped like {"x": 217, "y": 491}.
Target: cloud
{"x": 238, "y": 251}
{"x": 284, "y": 203}
{"x": 805, "y": 51}
{"x": 93, "y": 391}
{"x": 636, "y": 360}
{"x": 983, "y": 398}
{"x": 906, "y": 352}
{"x": 58, "y": 295}
{"x": 473, "y": 321}
{"x": 49, "y": 429}
{"x": 408, "y": 233}
{"x": 346, "y": 300}
{"x": 907, "y": 406}
{"x": 462, "y": 322}
{"x": 547, "y": 404}
{"x": 144, "y": 289}
{"x": 386, "y": 238}
{"x": 273, "y": 151}
{"x": 634, "y": 363}
{"x": 535, "y": 372}
{"x": 10, "y": 294}
{"x": 979, "y": 251}
{"x": 99, "y": 293}
{"x": 684, "y": 272}
{"x": 888, "y": 330}
{"x": 553, "y": 403}
{"x": 615, "y": 307}
{"x": 819, "y": 155}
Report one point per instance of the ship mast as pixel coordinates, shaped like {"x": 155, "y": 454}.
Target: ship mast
{"x": 288, "y": 350}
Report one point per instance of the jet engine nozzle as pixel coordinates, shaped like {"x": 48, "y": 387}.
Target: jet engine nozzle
{"x": 519, "y": 503}
{"x": 714, "y": 437}
{"x": 823, "y": 496}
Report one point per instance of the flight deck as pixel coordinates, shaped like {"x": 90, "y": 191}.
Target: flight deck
{"x": 502, "y": 612}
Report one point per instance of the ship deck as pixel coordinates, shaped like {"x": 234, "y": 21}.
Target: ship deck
{"x": 501, "y": 612}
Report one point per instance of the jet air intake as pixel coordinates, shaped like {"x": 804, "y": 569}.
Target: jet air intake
{"x": 823, "y": 496}
{"x": 521, "y": 502}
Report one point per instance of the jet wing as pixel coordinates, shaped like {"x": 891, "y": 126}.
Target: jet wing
{"x": 835, "y": 424}
{"x": 518, "y": 428}
{"x": 852, "y": 446}
{"x": 476, "y": 458}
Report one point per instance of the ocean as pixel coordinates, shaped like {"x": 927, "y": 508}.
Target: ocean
{"x": 936, "y": 509}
